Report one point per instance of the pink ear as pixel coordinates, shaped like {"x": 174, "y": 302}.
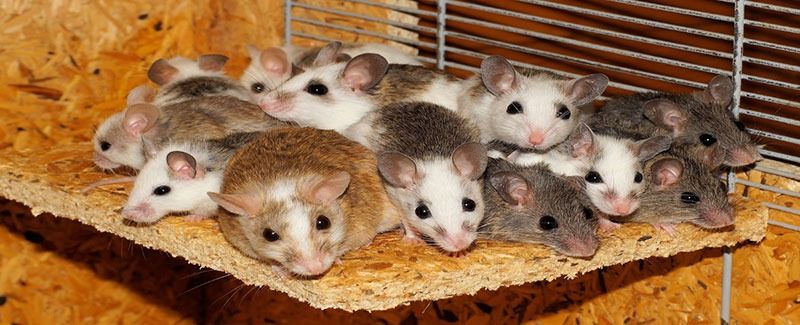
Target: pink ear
{"x": 364, "y": 71}
{"x": 470, "y": 160}
{"x": 498, "y": 75}
{"x": 212, "y": 62}
{"x": 584, "y": 90}
{"x": 397, "y": 169}
{"x": 321, "y": 190}
{"x": 275, "y": 62}
{"x": 141, "y": 95}
{"x": 667, "y": 171}
{"x": 183, "y": 165}
{"x": 327, "y": 54}
{"x": 582, "y": 142}
{"x": 512, "y": 187}
{"x": 666, "y": 114}
{"x": 719, "y": 91}
{"x": 650, "y": 147}
{"x": 240, "y": 204}
{"x": 139, "y": 118}
{"x": 161, "y": 72}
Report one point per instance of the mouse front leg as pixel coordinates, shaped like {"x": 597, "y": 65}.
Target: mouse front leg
{"x": 411, "y": 236}
{"x": 666, "y": 227}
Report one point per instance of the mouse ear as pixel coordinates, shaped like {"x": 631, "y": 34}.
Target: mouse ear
{"x": 719, "y": 91}
{"x": 183, "y": 165}
{"x": 512, "y": 187}
{"x": 648, "y": 148}
{"x": 140, "y": 95}
{"x": 325, "y": 189}
{"x": 139, "y": 118}
{"x": 397, "y": 169}
{"x": 666, "y": 114}
{"x": 582, "y": 142}
{"x": 240, "y": 204}
{"x": 275, "y": 62}
{"x": 666, "y": 171}
{"x": 498, "y": 75}
{"x": 212, "y": 62}
{"x": 584, "y": 90}
{"x": 470, "y": 160}
{"x": 161, "y": 72}
{"x": 327, "y": 54}
{"x": 364, "y": 71}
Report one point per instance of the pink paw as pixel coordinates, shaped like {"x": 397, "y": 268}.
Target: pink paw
{"x": 606, "y": 225}
{"x": 666, "y": 227}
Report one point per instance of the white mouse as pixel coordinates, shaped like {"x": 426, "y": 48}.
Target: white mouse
{"x": 528, "y": 108}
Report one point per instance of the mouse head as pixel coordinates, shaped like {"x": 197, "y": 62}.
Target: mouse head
{"x": 172, "y": 182}
{"x": 535, "y": 109}
{"x": 164, "y": 72}
{"x": 614, "y": 177}
{"x": 681, "y": 190}
{"x": 298, "y": 223}
{"x": 704, "y": 121}
{"x": 328, "y": 95}
{"x": 268, "y": 68}
{"x": 117, "y": 141}
{"x": 441, "y": 198}
{"x": 535, "y": 206}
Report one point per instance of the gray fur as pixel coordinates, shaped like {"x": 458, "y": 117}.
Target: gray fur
{"x": 403, "y": 81}
{"x": 203, "y": 86}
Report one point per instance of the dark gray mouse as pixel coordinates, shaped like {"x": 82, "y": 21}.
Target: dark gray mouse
{"x": 533, "y": 205}
{"x": 701, "y": 120}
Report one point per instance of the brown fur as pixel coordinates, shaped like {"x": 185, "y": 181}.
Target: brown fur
{"x": 403, "y": 81}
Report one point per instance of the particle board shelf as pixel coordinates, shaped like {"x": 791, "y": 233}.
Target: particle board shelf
{"x": 386, "y": 274}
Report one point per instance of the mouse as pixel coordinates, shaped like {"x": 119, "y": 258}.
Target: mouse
{"x": 611, "y": 166}
{"x": 184, "y": 79}
{"x": 682, "y": 190}
{"x": 270, "y": 67}
{"x": 178, "y": 177}
{"x": 701, "y": 119}
{"x": 300, "y": 198}
{"x": 533, "y": 205}
{"x": 114, "y": 142}
{"x": 335, "y": 96}
{"x": 529, "y": 108}
{"x": 432, "y": 163}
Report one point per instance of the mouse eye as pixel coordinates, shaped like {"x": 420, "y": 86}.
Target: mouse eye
{"x": 548, "y": 223}
{"x": 317, "y": 89}
{"x": 740, "y": 126}
{"x": 270, "y": 235}
{"x": 588, "y": 213}
{"x": 422, "y": 211}
{"x": 689, "y": 198}
{"x": 104, "y": 145}
{"x": 514, "y": 108}
{"x": 707, "y": 139}
{"x": 593, "y": 177}
{"x": 468, "y": 205}
{"x": 563, "y": 112}
{"x": 161, "y": 190}
{"x": 257, "y": 88}
{"x": 638, "y": 178}
{"x": 323, "y": 223}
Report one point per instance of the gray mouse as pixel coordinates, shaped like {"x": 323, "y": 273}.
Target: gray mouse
{"x": 701, "y": 120}
{"x": 533, "y": 205}
{"x": 432, "y": 162}
{"x": 183, "y": 79}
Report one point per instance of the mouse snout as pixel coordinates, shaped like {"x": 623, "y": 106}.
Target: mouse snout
{"x": 717, "y": 217}
{"x": 581, "y": 247}
{"x": 458, "y": 241}
{"x": 743, "y": 156}
{"x": 142, "y": 212}
{"x": 536, "y": 138}
{"x": 311, "y": 265}
{"x": 623, "y": 206}
{"x": 103, "y": 162}
{"x": 273, "y": 104}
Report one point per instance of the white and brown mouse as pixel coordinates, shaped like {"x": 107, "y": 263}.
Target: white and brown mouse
{"x": 302, "y": 198}
{"x": 528, "y": 108}
{"x": 117, "y": 140}
{"x": 184, "y": 79}
{"x": 533, "y": 205}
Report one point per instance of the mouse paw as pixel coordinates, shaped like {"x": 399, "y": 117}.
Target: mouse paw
{"x": 606, "y": 225}
{"x": 666, "y": 227}
{"x": 194, "y": 218}
{"x": 412, "y": 239}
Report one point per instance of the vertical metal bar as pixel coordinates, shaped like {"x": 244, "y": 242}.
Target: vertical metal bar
{"x": 441, "y": 18}
{"x": 738, "y": 53}
{"x": 287, "y": 22}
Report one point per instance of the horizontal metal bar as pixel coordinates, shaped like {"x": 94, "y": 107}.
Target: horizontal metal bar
{"x": 366, "y": 17}
{"x": 771, "y": 99}
{"x": 774, "y": 46}
{"x": 778, "y": 155}
{"x": 774, "y": 136}
{"x": 778, "y": 172}
{"x": 328, "y": 39}
{"x": 783, "y": 224}
{"x": 768, "y": 187}
{"x": 394, "y": 7}
{"x": 772, "y": 64}
{"x": 363, "y": 32}
{"x": 767, "y": 6}
{"x": 770, "y": 82}
{"x": 763, "y": 115}
{"x": 462, "y": 67}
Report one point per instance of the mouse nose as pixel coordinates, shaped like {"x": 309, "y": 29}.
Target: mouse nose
{"x": 139, "y": 212}
{"x": 536, "y": 138}
{"x": 459, "y": 241}
{"x": 717, "y": 218}
{"x": 581, "y": 248}
{"x": 743, "y": 156}
{"x": 313, "y": 265}
{"x": 623, "y": 207}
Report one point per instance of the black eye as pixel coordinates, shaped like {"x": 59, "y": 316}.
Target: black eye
{"x": 257, "y": 88}
{"x": 317, "y": 89}
{"x": 740, "y": 126}
{"x": 563, "y": 112}
{"x": 514, "y": 108}
{"x": 105, "y": 145}
{"x": 162, "y": 190}
{"x": 588, "y": 213}
{"x": 707, "y": 139}
{"x": 689, "y": 198}
{"x": 270, "y": 235}
{"x": 468, "y": 205}
{"x": 593, "y": 177}
{"x": 423, "y": 212}
{"x": 323, "y": 223}
{"x": 638, "y": 178}
{"x": 548, "y": 223}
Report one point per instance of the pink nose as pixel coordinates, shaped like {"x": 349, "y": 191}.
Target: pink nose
{"x": 140, "y": 212}
{"x": 743, "y": 156}
{"x": 312, "y": 266}
{"x": 581, "y": 247}
{"x": 622, "y": 207}
{"x": 717, "y": 218}
{"x": 459, "y": 241}
{"x": 536, "y": 138}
